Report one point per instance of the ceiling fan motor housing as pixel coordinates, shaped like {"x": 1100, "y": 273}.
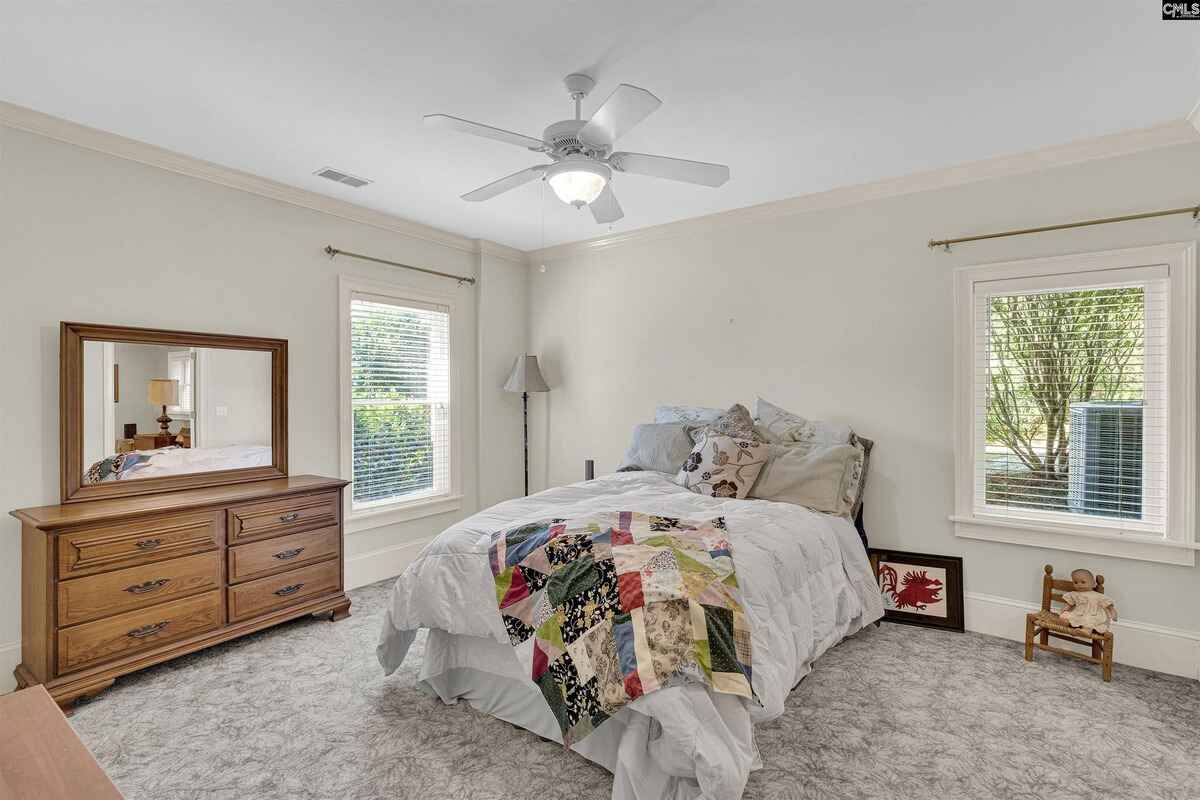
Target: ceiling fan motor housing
{"x": 563, "y": 139}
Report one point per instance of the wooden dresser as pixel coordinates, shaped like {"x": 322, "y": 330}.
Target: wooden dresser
{"x": 112, "y": 586}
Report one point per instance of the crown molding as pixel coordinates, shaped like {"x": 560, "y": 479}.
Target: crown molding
{"x": 486, "y": 247}
{"x": 1169, "y": 134}
{"x": 1177, "y": 132}
{"x": 26, "y": 119}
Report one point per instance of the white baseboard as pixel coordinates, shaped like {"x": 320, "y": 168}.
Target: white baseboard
{"x": 386, "y": 562}
{"x": 1138, "y": 644}
{"x": 10, "y": 656}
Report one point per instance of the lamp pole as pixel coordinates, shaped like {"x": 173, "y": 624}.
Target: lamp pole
{"x": 525, "y": 415}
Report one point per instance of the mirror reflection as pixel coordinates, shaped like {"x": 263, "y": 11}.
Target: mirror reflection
{"x": 152, "y": 410}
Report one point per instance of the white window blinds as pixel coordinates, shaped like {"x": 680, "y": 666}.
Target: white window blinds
{"x": 1070, "y": 398}
{"x": 400, "y": 399}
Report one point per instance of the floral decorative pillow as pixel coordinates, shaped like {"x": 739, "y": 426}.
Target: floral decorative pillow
{"x": 721, "y": 466}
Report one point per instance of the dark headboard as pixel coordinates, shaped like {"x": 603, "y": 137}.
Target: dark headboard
{"x": 858, "y": 524}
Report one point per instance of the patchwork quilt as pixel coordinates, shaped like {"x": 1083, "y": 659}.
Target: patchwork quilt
{"x": 606, "y": 608}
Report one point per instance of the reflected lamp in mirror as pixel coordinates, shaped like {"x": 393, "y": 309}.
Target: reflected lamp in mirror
{"x": 163, "y": 392}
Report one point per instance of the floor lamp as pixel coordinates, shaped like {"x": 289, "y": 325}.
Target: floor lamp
{"x": 526, "y": 378}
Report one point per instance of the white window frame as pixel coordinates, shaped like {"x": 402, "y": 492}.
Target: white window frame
{"x": 381, "y": 514}
{"x": 1179, "y": 545}
{"x": 187, "y": 355}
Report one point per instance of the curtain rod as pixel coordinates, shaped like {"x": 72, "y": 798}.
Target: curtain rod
{"x": 1193, "y": 210}
{"x": 332, "y": 251}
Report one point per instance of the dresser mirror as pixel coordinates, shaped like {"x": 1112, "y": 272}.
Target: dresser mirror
{"x": 150, "y": 410}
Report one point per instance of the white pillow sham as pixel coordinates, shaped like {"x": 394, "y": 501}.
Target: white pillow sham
{"x": 688, "y": 415}
{"x": 779, "y": 426}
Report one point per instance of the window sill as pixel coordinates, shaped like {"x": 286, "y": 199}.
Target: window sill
{"x": 358, "y": 521}
{"x": 1075, "y": 538}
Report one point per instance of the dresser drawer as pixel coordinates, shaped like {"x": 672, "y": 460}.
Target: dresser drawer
{"x": 286, "y": 515}
{"x": 95, "y": 596}
{"x": 269, "y": 556}
{"x": 134, "y": 631}
{"x": 279, "y": 591}
{"x": 100, "y": 548}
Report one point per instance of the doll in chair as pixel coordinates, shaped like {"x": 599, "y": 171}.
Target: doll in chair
{"x": 1087, "y": 608}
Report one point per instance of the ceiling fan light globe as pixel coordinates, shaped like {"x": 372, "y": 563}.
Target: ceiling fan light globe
{"x": 578, "y": 184}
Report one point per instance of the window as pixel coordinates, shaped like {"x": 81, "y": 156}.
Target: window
{"x": 397, "y": 408}
{"x": 1076, "y": 385}
{"x": 181, "y": 366}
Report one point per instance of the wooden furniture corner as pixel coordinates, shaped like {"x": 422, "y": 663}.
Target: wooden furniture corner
{"x": 1045, "y": 623}
{"x": 40, "y": 755}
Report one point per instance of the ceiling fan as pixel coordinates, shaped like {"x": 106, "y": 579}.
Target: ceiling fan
{"x": 582, "y": 151}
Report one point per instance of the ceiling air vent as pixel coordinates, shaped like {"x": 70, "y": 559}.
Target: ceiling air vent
{"x": 341, "y": 177}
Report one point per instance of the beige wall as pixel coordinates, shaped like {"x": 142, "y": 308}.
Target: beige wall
{"x": 841, "y": 314}
{"x": 93, "y": 238}
{"x": 239, "y": 382}
{"x": 138, "y": 364}
{"x": 503, "y": 334}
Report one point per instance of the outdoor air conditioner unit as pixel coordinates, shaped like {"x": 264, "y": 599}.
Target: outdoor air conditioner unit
{"x": 1106, "y": 459}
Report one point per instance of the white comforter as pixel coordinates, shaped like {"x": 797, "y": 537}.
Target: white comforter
{"x": 805, "y": 580}
{"x": 186, "y": 460}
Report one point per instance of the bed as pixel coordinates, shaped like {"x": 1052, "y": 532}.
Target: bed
{"x": 806, "y": 584}
{"x": 176, "y": 461}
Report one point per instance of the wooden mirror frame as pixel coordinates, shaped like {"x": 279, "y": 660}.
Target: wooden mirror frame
{"x": 70, "y": 392}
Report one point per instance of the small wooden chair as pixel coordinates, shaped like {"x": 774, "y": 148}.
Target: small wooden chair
{"x": 1046, "y": 623}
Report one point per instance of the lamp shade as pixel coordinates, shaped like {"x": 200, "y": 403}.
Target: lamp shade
{"x": 163, "y": 392}
{"x": 525, "y": 376}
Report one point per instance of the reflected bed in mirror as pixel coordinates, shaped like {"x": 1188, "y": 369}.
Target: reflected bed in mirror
{"x": 150, "y": 410}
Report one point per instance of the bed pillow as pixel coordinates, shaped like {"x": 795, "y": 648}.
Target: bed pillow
{"x": 721, "y": 466}
{"x": 856, "y": 480}
{"x": 114, "y": 468}
{"x": 816, "y": 478}
{"x": 688, "y": 415}
{"x": 657, "y": 447}
{"x": 735, "y": 423}
{"x": 779, "y": 426}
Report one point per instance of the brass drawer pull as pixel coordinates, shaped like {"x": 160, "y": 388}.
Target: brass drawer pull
{"x": 292, "y": 589}
{"x": 148, "y": 630}
{"x": 289, "y": 554}
{"x": 148, "y": 544}
{"x": 292, "y": 517}
{"x": 148, "y": 586}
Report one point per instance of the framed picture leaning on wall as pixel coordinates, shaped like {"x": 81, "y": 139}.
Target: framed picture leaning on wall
{"x": 920, "y": 589}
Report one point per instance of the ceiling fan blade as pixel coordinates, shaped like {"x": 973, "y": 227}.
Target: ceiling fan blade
{"x": 676, "y": 169}
{"x": 605, "y": 208}
{"x": 487, "y": 131}
{"x": 504, "y": 184}
{"x": 624, "y": 108}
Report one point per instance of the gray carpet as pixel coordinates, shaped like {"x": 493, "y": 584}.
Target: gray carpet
{"x": 303, "y": 711}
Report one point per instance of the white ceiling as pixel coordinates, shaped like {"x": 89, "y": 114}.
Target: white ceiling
{"x": 796, "y": 97}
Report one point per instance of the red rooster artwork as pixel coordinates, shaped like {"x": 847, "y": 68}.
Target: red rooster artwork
{"x": 916, "y": 590}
